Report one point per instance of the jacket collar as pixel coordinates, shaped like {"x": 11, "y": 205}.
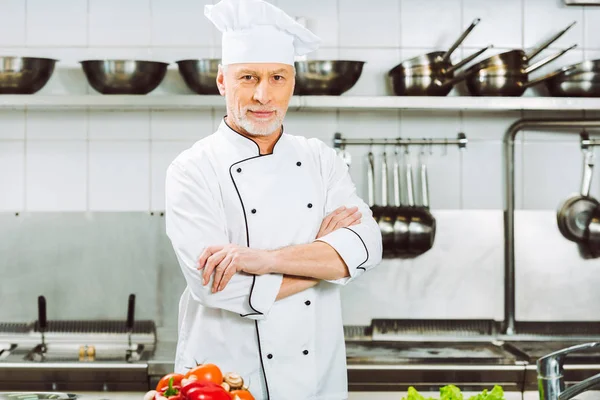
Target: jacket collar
{"x": 243, "y": 143}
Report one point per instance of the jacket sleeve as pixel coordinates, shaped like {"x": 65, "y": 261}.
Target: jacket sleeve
{"x": 194, "y": 220}
{"x": 360, "y": 246}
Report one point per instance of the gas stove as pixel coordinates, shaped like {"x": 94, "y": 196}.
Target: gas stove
{"x": 51, "y": 355}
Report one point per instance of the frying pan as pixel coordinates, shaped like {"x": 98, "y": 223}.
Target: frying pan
{"x": 431, "y": 74}
{"x": 506, "y": 74}
{"x": 498, "y": 81}
{"x": 574, "y": 214}
{"x": 591, "y": 247}
{"x": 578, "y": 80}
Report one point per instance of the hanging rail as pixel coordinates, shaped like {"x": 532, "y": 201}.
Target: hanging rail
{"x": 339, "y": 141}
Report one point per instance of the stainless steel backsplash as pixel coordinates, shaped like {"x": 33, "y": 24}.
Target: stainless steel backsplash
{"x": 86, "y": 264}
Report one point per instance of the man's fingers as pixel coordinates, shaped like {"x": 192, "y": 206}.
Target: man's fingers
{"x": 212, "y": 262}
{"x": 339, "y": 214}
{"x": 220, "y": 271}
{"x": 348, "y": 220}
{"x": 329, "y": 218}
{"x": 208, "y": 251}
{"x": 227, "y": 275}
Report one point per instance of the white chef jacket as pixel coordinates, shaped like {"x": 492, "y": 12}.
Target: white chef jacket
{"x": 221, "y": 190}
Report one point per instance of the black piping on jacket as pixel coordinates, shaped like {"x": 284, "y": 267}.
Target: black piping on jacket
{"x": 367, "y": 250}
{"x": 256, "y": 312}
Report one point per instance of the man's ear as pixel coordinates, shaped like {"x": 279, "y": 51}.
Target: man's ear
{"x": 221, "y": 80}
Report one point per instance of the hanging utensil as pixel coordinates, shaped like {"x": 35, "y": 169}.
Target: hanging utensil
{"x": 345, "y": 155}
{"x": 387, "y": 214}
{"x": 575, "y": 213}
{"x": 591, "y": 246}
{"x": 401, "y": 221}
{"x": 423, "y": 235}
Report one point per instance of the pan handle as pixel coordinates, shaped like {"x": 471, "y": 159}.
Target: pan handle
{"x": 410, "y": 196}
{"x": 468, "y": 59}
{"x": 384, "y": 179}
{"x": 371, "y": 179}
{"x": 396, "y": 178}
{"x": 588, "y": 171}
{"x": 424, "y": 182}
{"x": 546, "y": 60}
{"x": 458, "y": 41}
{"x": 547, "y": 76}
{"x": 548, "y": 42}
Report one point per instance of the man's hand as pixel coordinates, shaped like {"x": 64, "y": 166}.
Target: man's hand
{"x": 226, "y": 260}
{"x": 340, "y": 218}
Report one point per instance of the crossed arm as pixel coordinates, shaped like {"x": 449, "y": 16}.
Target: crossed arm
{"x": 302, "y": 265}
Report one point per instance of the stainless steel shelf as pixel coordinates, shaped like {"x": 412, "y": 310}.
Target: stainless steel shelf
{"x": 315, "y": 103}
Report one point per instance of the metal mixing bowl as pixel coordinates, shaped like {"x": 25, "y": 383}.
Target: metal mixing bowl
{"x": 124, "y": 76}
{"x": 330, "y": 78}
{"x": 200, "y": 75}
{"x": 24, "y": 75}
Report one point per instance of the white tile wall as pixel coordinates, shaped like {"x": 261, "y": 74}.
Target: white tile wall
{"x": 496, "y": 16}
{"x": 12, "y": 124}
{"x": 119, "y": 125}
{"x": 55, "y": 175}
{"x": 52, "y": 125}
{"x": 115, "y": 161}
{"x": 180, "y": 23}
{"x": 545, "y": 18}
{"x": 437, "y": 25}
{"x": 49, "y": 25}
{"x": 12, "y": 175}
{"x": 119, "y": 23}
{"x": 380, "y": 17}
{"x": 119, "y": 176}
{"x": 12, "y": 22}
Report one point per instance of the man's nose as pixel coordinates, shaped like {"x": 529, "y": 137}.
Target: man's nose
{"x": 262, "y": 92}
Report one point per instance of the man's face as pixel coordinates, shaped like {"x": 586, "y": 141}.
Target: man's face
{"x": 257, "y": 95}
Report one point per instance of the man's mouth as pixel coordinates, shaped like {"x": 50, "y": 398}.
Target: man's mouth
{"x": 262, "y": 114}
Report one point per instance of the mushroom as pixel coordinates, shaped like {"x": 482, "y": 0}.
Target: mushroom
{"x": 234, "y": 380}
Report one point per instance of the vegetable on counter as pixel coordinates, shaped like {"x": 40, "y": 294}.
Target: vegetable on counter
{"x": 203, "y": 382}
{"x": 452, "y": 392}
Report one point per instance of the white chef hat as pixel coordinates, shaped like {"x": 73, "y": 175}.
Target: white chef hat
{"x": 255, "y": 31}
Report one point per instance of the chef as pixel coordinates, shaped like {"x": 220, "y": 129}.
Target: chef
{"x": 266, "y": 225}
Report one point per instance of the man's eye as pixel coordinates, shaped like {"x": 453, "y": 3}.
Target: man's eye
{"x": 278, "y": 77}
{"x": 247, "y": 77}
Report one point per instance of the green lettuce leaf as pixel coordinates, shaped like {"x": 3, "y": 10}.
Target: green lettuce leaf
{"x": 496, "y": 394}
{"x": 413, "y": 394}
{"x": 450, "y": 392}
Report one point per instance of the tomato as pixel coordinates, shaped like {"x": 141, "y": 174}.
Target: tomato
{"x": 241, "y": 395}
{"x": 206, "y": 372}
{"x": 164, "y": 382}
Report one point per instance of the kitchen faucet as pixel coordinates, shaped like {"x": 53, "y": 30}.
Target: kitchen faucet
{"x": 551, "y": 383}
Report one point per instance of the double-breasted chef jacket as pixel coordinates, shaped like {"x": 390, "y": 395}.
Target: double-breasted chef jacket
{"x": 222, "y": 190}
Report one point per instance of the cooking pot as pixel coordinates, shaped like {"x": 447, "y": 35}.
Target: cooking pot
{"x": 574, "y": 214}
